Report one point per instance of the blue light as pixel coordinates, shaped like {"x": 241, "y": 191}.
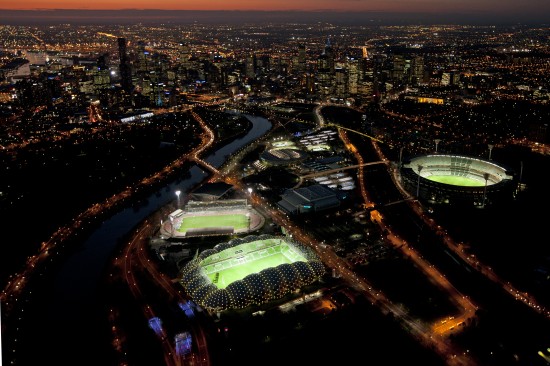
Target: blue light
{"x": 156, "y": 324}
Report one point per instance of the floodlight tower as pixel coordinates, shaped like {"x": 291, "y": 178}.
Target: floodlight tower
{"x": 486, "y": 177}
{"x": 520, "y": 175}
{"x": 249, "y": 189}
{"x": 490, "y": 149}
{"x": 418, "y": 182}
{"x": 437, "y": 141}
{"x": 178, "y": 192}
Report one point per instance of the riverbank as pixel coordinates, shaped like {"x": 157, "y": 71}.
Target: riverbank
{"x": 66, "y": 293}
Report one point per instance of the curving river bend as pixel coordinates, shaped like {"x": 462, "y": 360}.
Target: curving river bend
{"x": 65, "y": 327}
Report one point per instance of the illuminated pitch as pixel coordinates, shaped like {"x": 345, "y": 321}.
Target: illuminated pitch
{"x": 247, "y": 271}
{"x": 449, "y": 179}
{"x": 237, "y": 221}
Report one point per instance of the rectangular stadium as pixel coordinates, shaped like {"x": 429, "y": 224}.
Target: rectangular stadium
{"x": 212, "y": 218}
{"x": 249, "y": 271}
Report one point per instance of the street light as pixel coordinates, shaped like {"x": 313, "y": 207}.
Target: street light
{"x": 178, "y": 192}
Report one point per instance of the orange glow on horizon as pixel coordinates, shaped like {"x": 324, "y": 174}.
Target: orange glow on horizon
{"x": 243, "y": 5}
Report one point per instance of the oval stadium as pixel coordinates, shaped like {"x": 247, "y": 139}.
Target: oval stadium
{"x": 283, "y": 156}
{"x": 457, "y": 179}
{"x": 249, "y": 271}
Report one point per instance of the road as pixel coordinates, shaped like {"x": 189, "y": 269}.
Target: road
{"x": 429, "y": 335}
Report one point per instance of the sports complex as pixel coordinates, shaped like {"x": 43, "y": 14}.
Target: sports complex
{"x": 250, "y": 271}
{"x": 221, "y": 217}
{"x": 458, "y": 179}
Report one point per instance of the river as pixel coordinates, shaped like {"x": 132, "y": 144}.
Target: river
{"x": 66, "y": 331}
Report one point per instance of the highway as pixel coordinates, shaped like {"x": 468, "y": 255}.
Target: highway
{"x": 135, "y": 255}
{"x": 17, "y": 283}
{"x": 459, "y": 250}
{"x": 429, "y": 335}
{"x": 135, "y": 259}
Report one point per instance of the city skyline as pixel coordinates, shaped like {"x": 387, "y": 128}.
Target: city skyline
{"x": 410, "y": 161}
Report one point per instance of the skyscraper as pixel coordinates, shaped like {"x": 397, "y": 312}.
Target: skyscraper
{"x": 124, "y": 67}
{"x": 102, "y": 77}
{"x": 301, "y": 58}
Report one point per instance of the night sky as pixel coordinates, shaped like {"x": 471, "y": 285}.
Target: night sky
{"x": 350, "y": 11}
{"x": 498, "y": 6}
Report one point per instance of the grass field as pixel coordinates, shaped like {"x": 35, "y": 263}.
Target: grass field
{"x": 235, "y": 264}
{"x": 457, "y": 181}
{"x": 237, "y": 221}
{"x": 238, "y": 272}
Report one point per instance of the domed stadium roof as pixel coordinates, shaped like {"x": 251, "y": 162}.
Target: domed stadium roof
{"x": 303, "y": 268}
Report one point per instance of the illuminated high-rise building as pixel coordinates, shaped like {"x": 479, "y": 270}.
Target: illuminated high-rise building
{"x": 417, "y": 70}
{"x": 101, "y": 77}
{"x": 398, "y": 67}
{"x": 124, "y": 66}
{"x": 365, "y": 52}
{"x": 185, "y": 55}
{"x": 352, "y": 66}
{"x": 251, "y": 66}
{"x": 143, "y": 57}
{"x": 301, "y": 58}
{"x": 329, "y": 52}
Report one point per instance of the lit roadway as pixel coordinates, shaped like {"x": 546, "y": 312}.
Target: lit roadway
{"x": 422, "y": 332}
{"x": 11, "y": 295}
{"x": 135, "y": 258}
{"x": 126, "y": 263}
{"x": 136, "y": 253}
{"x": 447, "y": 324}
{"x": 18, "y": 281}
{"x": 458, "y": 249}
{"x": 463, "y": 303}
{"x": 428, "y": 335}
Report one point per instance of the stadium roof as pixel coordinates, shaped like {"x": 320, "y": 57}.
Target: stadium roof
{"x": 315, "y": 192}
{"x": 315, "y": 197}
{"x": 217, "y": 189}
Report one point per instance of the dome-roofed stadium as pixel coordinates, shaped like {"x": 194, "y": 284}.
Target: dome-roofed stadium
{"x": 250, "y": 271}
{"x": 458, "y": 179}
{"x": 283, "y": 156}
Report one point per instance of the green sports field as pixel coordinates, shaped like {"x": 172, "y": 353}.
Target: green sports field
{"x": 229, "y": 266}
{"x": 456, "y": 181}
{"x": 239, "y": 221}
{"x": 238, "y": 272}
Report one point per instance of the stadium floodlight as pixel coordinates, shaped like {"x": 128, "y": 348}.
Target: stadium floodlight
{"x": 250, "y": 190}
{"x": 418, "y": 182}
{"x": 178, "y": 192}
{"x": 172, "y": 224}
